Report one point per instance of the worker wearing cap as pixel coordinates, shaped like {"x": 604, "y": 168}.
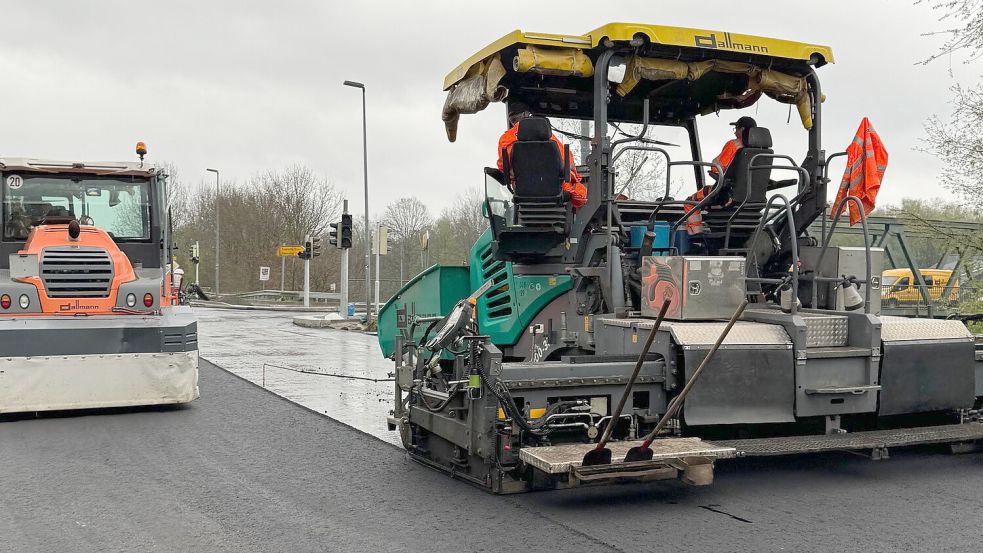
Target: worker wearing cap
{"x": 694, "y": 225}
{"x": 726, "y": 156}
{"x": 572, "y": 185}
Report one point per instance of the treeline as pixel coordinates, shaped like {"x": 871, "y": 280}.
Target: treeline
{"x": 280, "y": 207}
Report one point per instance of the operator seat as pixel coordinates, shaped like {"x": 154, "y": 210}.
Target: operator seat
{"x": 740, "y": 204}
{"x": 535, "y": 172}
{"x": 753, "y": 186}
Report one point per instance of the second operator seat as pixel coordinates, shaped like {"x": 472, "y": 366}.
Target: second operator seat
{"x": 535, "y": 169}
{"x": 744, "y": 195}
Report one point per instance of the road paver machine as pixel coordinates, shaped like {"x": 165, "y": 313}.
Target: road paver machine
{"x": 609, "y": 323}
{"x": 88, "y": 308}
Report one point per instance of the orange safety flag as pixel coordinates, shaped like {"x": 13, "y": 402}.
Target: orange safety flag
{"x": 866, "y": 161}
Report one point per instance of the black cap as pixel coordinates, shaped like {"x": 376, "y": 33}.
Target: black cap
{"x": 745, "y": 123}
{"x": 516, "y": 108}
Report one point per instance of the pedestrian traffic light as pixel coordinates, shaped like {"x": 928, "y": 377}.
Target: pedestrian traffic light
{"x": 316, "y": 246}
{"x": 195, "y": 258}
{"x": 345, "y": 232}
{"x": 333, "y": 235}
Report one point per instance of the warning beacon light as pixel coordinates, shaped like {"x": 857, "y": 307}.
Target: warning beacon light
{"x": 141, "y": 150}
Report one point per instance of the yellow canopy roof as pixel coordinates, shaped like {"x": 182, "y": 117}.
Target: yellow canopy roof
{"x": 696, "y": 39}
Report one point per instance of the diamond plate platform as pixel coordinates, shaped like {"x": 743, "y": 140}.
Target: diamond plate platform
{"x": 706, "y": 333}
{"x": 826, "y": 330}
{"x": 558, "y": 459}
{"x": 874, "y": 439}
{"x": 896, "y": 329}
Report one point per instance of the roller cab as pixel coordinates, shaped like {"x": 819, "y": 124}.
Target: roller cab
{"x": 88, "y": 309}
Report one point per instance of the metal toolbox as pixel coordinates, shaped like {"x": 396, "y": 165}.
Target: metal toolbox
{"x": 700, "y": 288}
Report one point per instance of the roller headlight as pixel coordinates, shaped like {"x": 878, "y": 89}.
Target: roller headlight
{"x": 131, "y": 300}
{"x": 24, "y": 301}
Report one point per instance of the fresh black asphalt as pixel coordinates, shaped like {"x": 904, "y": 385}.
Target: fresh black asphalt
{"x": 243, "y": 470}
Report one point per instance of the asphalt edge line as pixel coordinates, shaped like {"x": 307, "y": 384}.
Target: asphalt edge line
{"x": 304, "y": 407}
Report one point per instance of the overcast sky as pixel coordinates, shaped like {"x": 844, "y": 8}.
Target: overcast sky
{"x": 245, "y": 86}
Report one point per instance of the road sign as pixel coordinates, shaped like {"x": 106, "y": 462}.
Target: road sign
{"x": 289, "y": 251}
{"x": 380, "y": 242}
{"x": 264, "y": 273}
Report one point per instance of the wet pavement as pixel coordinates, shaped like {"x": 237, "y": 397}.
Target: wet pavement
{"x": 243, "y": 470}
{"x": 251, "y": 342}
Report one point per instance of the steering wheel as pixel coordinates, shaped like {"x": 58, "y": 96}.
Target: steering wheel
{"x": 86, "y": 220}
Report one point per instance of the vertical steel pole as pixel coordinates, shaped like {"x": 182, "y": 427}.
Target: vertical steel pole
{"x": 218, "y": 194}
{"x": 365, "y": 168}
{"x": 198, "y": 263}
{"x": 378, "y": 268}
{"x": 283, "y": 272}
{"x": 343, "y": 301}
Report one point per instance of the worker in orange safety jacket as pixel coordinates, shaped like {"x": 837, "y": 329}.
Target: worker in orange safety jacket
{"x": 694, "y": 225}
{"x": 573, "y": 185}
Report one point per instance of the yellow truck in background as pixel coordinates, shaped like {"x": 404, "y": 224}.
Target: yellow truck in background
{"x": 899, "y": 287}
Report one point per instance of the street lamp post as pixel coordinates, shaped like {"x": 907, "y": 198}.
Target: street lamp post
{"x": 216, "y": 225}
{"x": 365, "y": 167}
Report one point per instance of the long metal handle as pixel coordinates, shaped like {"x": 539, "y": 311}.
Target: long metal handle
{"x": 677, "y": 402}
{"x": 616, "y": 415}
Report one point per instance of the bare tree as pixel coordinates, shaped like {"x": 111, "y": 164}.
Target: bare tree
{"x": 965, "y": 32}
{"x": 958, "y": 140}
{"x": 299, "y": 201}
{"x": 958, "y": 143}
{"x": 465, "y": 216}
{"x": 407, "y": 217}
{"x": 274, "y": 208}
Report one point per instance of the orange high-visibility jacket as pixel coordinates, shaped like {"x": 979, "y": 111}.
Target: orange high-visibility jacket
{"x": 866, "y": 161}
{"x": 726, "y": 156}
{"x": 578, "y": 192}
{"x": 694, "y": 224}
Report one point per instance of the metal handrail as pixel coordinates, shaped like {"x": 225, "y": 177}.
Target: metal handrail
{"x": 706, "y": 200}
{"x": 822, "y": 232}
{"x": 794, "y": 242}
{"x": 800, "y": 172}
{"x": 644, "y": 149}
{"x": 822, "y": 254}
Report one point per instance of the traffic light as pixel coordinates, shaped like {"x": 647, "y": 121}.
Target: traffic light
{"x": 345, "y": 232}
{"x": 316, "y": 246}
{"x": 308, "y": 247}
{"x": 333, "y": 235}
{"x": 195, "y": 258}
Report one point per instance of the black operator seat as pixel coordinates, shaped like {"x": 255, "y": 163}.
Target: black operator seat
{"x": 753, "y": 186}
{"x": 737, "y": 211}
{"x": 542, "y": 212}
{"x": 740, "y": 203}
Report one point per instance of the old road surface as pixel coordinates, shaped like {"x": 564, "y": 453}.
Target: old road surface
{"x": 244, "y": 470}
